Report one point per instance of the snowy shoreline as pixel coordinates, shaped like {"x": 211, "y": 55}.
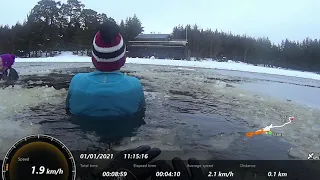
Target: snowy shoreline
{"x": 230, "y": 65}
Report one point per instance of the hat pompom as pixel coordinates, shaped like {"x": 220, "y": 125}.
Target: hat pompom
{"x": 109, "y": 31}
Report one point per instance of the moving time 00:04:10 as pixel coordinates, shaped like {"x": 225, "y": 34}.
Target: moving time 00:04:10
{"x": 44, "y": 170}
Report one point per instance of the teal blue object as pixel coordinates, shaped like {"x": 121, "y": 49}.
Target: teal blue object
{"x": 102, "y": 94}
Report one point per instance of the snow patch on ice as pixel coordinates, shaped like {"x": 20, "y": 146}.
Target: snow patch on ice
{"x": 181, "y": 68}
{"x": 226, "y": 66}
{"x": 60, "y": 58}
{"x": 45, "y": 67}
{"x": 220, "y": 84}
{"x": 229, "y": 65}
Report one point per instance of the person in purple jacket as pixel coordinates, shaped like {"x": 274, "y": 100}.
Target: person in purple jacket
{"x": 7, "y": 73}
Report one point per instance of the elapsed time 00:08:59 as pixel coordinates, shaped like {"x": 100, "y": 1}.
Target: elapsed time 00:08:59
{"x": 167, "y": 174}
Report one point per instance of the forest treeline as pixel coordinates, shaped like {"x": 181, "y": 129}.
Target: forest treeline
{"x": 215, "y": 44}
{"x": 54, "y": 26}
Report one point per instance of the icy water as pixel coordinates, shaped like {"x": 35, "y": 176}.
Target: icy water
{"x": 299, "y": 90}
{"x": 197, "y": 113}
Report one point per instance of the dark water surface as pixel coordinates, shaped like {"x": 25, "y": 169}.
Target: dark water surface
{"x": 177, "y": 118}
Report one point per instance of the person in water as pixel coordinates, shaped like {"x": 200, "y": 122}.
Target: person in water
{"x": 7, "y": 73}
{"x": 106, "y": 91}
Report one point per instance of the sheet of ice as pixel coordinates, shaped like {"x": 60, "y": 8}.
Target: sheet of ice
{"x": 229, "y": 65}
{"x": 64, "y": 57}
{"x": 16, "y": 99}
{"x": 46, "y": 67}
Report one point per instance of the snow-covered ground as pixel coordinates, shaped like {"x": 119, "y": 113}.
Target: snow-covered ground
{"x": 230, "y": 65}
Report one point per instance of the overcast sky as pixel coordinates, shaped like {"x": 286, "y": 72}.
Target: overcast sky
{"x": 276, "y": 19}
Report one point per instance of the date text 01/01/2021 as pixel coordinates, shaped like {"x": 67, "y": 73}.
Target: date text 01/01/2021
{"x": 96, "y": 156}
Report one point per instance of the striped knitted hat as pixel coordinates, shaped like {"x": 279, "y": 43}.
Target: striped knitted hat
{"x": 109, "y": 49}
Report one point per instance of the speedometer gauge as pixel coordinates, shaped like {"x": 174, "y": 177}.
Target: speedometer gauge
{"x": 39, "y": 157}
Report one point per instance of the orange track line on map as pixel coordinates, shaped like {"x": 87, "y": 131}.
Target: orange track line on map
{"x": 259, "y": 132}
